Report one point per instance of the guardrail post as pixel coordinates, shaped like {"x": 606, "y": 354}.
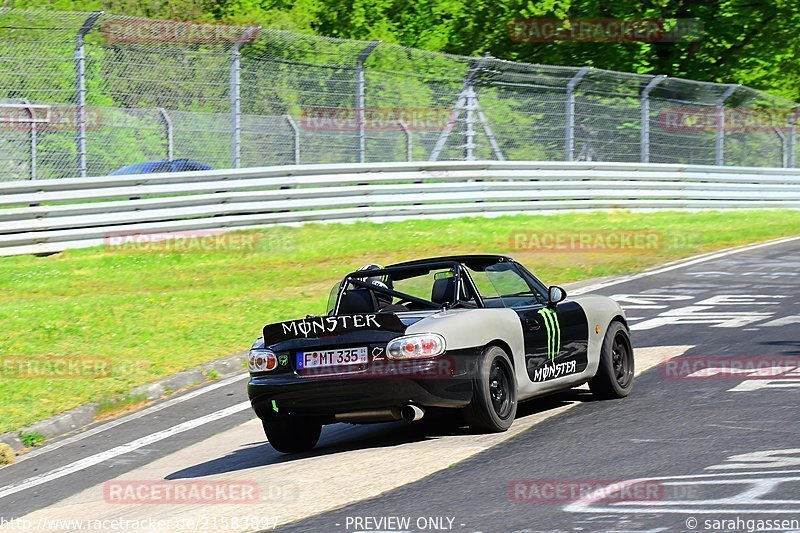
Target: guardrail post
{"x": 407, "y": 132}
{"x": 80, "y": 90}
{"x": 296, "y": 137}
{"x": 235, "y": 90}
{"x": 644, "y": 141}
{"x": 168, "y": 124}
{"x": 790, "y": 148}
{"x": 360, "y": 99}
{"x": 719, "y": 157}
{"x": 570, "y": 126}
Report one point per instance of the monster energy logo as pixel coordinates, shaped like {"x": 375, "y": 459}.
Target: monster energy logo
{"x": 553, "y": 332}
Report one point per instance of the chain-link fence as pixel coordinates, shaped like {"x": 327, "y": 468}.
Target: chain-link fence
{"x": 89, "y": 93}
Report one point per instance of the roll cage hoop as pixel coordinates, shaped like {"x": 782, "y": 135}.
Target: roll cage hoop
{"x": 463, "y": 284}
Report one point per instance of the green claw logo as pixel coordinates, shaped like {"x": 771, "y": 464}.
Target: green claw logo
{"x": 553, "y": 332}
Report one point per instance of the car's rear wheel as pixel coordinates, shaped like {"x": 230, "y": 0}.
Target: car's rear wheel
{"x": 494, "y": 393}
{"x": 289, "y": 434}
{"x": 614, "y": 378}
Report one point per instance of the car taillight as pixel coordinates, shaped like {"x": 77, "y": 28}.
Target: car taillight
{"x": 261, "y": 361}
{"x": 416, "y": 346}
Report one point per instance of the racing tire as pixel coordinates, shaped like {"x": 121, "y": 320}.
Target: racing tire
{"x": 614, "y": 378}
{"x": 288, "y": 434}
{"x": 494, "y": 393}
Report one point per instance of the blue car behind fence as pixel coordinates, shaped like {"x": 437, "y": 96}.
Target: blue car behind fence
{"x": 154, "y": 167}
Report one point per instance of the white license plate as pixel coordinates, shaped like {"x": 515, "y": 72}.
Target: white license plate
{"x": 332, "y": 358}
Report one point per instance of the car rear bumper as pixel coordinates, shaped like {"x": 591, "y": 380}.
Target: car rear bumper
{"x": 441, "y": 382}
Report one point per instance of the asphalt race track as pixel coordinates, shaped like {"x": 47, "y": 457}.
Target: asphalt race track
{"x": 714, "y": 449}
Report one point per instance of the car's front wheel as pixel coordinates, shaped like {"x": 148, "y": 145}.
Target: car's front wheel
{"x": 614, "y": 378}
{"x": 289, "y": 434}
{"x": 494, "y": 393}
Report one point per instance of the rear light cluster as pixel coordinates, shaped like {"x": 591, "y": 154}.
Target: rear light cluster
{"x": 262, "y": 361}
{"x": 416, "y": 346}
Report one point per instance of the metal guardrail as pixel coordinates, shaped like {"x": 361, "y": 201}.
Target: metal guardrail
{"x": 54, "y": 215}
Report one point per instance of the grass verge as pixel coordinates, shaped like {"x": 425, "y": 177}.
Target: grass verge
{"x": 127, "y": 317}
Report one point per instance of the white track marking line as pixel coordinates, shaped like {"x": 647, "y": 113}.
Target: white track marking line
{"x": 120, "y": 450}
{"x": 685, "y": 263}
{"x": 133, "y": 416}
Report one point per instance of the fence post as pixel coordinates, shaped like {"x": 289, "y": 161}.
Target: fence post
{"x": 644, "y": 142}
{"x": 487, "y": 128}
{"x": 168, "y": 124}
{"x": 719, "y": 158}
{"x": 360, "y": 99}
{"x": 80, "y": 90}
{"x": 296, "y": 135}
{"x": 790, "y": 148}
{"x": 407, "y": 132}
{"x": 32, "y": 137}
{"x": 235, "y": 90}
{"x": 570, "y": 140}
{"x": 469, "y": 146}
{"x": 468, "y": 101}
{"x": 782, "y": 137}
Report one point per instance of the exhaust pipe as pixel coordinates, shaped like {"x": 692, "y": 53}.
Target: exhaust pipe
{"x": 363, "y": 417}
{"x": 412, "y": 413}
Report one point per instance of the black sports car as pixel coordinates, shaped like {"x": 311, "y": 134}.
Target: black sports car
{"x": 473, "y": 334}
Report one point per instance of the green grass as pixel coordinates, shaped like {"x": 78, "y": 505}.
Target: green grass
{"x": 32, "y": 439}
{"x": 154, "y": 313}
{"x": 109, "y": 406}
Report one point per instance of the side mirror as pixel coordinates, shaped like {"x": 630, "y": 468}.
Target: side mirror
{"x": 555, "y": 294}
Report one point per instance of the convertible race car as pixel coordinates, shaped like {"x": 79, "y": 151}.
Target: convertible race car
{"x": 469, "y": 335}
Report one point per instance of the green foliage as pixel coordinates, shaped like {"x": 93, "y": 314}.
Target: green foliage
{"x": 32, "y": 439}
{"x": 752, "y": 43}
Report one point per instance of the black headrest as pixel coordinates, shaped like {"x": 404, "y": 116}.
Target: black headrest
{"x": 443, "y": 290}
{"x": 355, "y": 301}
